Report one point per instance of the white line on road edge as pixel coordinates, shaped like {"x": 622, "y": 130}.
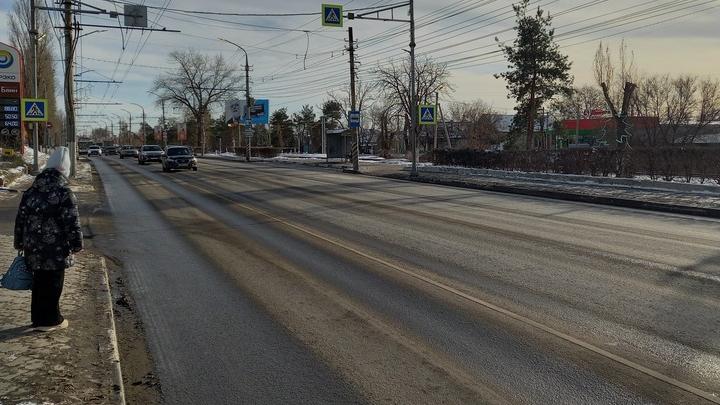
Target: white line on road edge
{"x": 118, "y": 386}
{"x": 629, "y": 363}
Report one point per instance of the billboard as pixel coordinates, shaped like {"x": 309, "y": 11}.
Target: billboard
{"x": 10, "y": 64}
{"x": 234, "y": 110}
{"x": 12, "y": 132}
{"x": 260, "y": 112}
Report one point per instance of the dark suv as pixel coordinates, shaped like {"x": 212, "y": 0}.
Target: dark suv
{"x": 150, "y": 153}
{"x": 178, "y": 157}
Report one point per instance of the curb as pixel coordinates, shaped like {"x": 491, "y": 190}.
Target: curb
{"x": 557, "y": 195}
{"x": 104, "y": 293}
{"x": 575, "y": 179}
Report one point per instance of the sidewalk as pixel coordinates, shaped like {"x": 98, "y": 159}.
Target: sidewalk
{"x": 673, "y": 201}
{"x": 71, "y": 366}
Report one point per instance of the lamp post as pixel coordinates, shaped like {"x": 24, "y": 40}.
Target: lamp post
{"x": 142, "y": 126}
{"x": 162, "y": 103}
{"x": 130, "y": 135}
{"x": 119, "y": 121}
{"x": 248, "y": 120}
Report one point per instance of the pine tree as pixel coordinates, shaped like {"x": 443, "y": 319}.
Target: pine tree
{"x": 537, "y": 70}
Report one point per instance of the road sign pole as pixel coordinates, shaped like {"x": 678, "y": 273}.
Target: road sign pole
{"x": 413, "y": 101}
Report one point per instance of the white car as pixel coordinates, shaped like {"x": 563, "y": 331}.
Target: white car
{"x": 94, "y": 150}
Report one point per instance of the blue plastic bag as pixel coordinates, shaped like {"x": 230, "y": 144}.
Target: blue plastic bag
{"x": 18, "y": 277}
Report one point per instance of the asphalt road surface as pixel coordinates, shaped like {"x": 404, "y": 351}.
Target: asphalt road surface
{"x": 262, "y": 283}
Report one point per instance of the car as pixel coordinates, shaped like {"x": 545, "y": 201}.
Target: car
{"x": 94, "y": 150}
{"x": 150, "y": 153}
{"x": 110, "y": 150}
{"x": 128, "y": 151}
{"x": 178, "y": 157}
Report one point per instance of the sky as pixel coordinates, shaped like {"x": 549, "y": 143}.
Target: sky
{"x": 296, "y": 61}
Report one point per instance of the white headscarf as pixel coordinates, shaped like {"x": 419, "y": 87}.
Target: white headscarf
{"x": 60, "y": 161}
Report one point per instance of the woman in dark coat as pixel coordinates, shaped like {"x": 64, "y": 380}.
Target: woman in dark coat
{"x": 47, "y": 230}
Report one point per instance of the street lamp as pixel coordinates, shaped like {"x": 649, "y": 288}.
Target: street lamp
{"x": 129, "y": 124}
{"x": 142, "y": 126}
{"x": 248, "y": 119}
{"x": 162, "y": 103}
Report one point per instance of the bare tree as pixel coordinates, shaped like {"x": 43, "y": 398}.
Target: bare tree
{"x": 394, "y": 80}
{"x": 478, "y": 121}
{"x": 576, "y": 103}
{"x": 19, "y": 24}
{"x": 364, "y": 95}
{"x": 197, "y": 83}
{"x": 616, "y": 79}
{"x": 381, "y": 114}
{"x": 683, "y": 106}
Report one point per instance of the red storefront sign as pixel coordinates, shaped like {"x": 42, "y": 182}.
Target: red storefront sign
{"x": 9, "y": 89}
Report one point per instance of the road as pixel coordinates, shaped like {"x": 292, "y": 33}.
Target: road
{"x": 262, "y": 283}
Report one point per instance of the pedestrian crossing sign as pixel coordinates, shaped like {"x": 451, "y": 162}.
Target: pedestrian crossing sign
{"x": 34, "y": 110}
{"x": 332, "y": 15}
{"x": 427, "y": 114}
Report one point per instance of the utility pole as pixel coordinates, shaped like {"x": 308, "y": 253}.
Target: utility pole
{"x": 356, "y": 145}
{"x": 142, "y": 126}
{"x": 164, "y": 130}
{"x": 447, "y": 135}
{"x": 248, "y": 118}
{"x": 34, "y": 34}
{"x": 69, "y": 87}
{"x": 248, "y": 121}
{"x": 413, "y": 101}
{"x": 324, "y": 136}
{"x": 436, "y": 125}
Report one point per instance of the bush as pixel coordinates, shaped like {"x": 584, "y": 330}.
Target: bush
{"x": 668, "y": 162}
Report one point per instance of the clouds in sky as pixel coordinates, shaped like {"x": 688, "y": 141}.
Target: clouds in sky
{"x": 292, "y": 68}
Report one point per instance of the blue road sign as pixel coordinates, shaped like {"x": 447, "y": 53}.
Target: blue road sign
{"x": 332, "y": 15}
{"x": 354, "y": 119}
{"x": 34, "y": 110}
{"x": 260, "y": 112}
{"x": 427, "y": 114}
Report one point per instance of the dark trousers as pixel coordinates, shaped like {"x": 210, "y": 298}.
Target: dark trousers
{"x": 46, "y": 290}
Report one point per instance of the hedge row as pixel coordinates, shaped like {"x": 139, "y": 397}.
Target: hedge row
{"x": 666, "y": 163}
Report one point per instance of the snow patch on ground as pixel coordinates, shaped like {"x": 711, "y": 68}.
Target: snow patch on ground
{"x": 29, "y": 156}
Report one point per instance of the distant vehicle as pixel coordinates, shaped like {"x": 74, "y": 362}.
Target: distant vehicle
{"x": 178, "y": 157}
{"x": 83, "y": 147}
{"x": 94, "y": 150}
{"x": 128, "y": 151}
{"x": 110, "y": 150}
{"x": 150, "y": 153}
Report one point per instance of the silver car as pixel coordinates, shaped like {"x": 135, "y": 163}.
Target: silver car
{"x": 150, "y": 153}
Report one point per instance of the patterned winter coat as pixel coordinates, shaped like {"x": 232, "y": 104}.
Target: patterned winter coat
{"x": 47, "y": 226}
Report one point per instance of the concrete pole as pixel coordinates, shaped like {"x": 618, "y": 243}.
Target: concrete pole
{"x": 413, "y": 101}
{"x": 324, "y": 136}
{"x": 248, "y": 122}
{"x": 34, "y": 33}
{"x": 356, "y": 131}
{"x": 70, "y": 88}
